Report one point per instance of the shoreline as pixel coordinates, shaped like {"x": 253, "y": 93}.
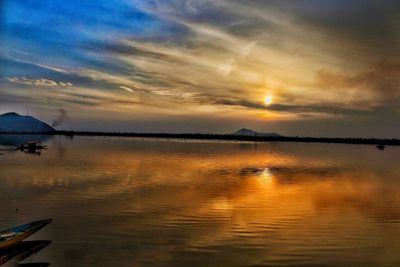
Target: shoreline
{"x": 228, "y": 137}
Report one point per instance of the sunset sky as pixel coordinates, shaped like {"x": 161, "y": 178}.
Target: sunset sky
{"x": 296, "y": 67}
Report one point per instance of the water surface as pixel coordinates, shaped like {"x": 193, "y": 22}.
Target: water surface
{"x": 148, "y": 202}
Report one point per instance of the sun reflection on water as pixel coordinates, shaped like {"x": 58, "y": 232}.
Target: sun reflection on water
{"x": 272, "y": 203}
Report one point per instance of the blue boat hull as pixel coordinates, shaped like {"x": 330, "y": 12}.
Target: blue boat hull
{"x": 13, "y": 236}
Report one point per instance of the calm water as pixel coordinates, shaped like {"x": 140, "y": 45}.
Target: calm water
{"x": 146, "y": 202}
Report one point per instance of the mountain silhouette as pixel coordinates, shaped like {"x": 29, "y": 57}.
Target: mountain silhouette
{"x": 248, "y": 132}
{"x": 13, "y": 122}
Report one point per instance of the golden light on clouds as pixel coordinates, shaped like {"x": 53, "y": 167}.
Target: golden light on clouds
{"x": 256, "y": 63}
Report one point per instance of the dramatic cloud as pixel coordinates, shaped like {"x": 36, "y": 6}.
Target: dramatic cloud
{"x": 328, "y": 61}
{"x": 381, "y": 81}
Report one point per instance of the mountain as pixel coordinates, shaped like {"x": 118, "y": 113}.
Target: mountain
{"x": 13, "y": 122}
{"x": 248, "y": 132}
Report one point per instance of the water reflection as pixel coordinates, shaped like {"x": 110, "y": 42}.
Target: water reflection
{"x": 142, "y": 202}
{"x": 16, "y": 140}
{"x": 22, "y": 251}
{"x": 27, "y": 143}
{"x": 38, "y": 264}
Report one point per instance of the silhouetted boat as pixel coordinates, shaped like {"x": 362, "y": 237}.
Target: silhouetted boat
{"x": 380, "y": 147}
{"x": 22, "y": 250}
{"x": 13, "y": 236}
{"x": 31, "y": 147}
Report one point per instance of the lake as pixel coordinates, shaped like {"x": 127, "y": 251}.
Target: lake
{"x": 157, "y": 202}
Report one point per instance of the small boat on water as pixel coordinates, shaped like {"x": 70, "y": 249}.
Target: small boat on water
{"x": 13, "y": 236}
{"x": 380, "y": 147}
{"x": 31, "y": 147}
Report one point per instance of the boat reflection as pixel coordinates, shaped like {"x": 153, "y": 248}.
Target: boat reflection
{"x": 15, "y": 140}
{"x": 36, "y": 264}
{"x": 23, "y": 251}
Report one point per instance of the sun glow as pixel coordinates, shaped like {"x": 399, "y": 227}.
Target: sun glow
{"x": 268, "y": 100}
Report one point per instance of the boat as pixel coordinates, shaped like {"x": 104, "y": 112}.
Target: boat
{"x": 13, "y": 236}
{"x": 31, "y": 147}
{"x": 380, "y": 147}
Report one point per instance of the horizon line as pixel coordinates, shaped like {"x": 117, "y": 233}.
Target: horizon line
{"x": 228, "y": 137}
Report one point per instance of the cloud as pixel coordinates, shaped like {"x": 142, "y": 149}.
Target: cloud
{"x": 319, "y": 59}
{"x": 310, "y": 110}
{"x": 126, "y": 89}
{"x": 218, "y": 62}
{"x": 380, "y": 82}
{"x": 41, "y": 82}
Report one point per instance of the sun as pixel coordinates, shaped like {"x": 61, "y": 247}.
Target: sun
{"x": 268, "y": 100}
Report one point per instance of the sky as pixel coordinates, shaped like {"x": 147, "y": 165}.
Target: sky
{"x": 296, "y": 67}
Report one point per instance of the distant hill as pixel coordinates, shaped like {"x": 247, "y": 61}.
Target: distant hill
{"x": 248, "y": 132}
{"x": 13, "y": 122}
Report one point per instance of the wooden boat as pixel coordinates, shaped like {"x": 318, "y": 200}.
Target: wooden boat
{"x": 13, "y": 236}
{"x": 31, "y": 147}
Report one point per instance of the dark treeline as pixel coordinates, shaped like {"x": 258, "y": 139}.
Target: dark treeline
{"x": 367, "y": 141}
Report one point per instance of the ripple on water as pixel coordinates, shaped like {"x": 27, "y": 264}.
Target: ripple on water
{"x": 149, "y": 203}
